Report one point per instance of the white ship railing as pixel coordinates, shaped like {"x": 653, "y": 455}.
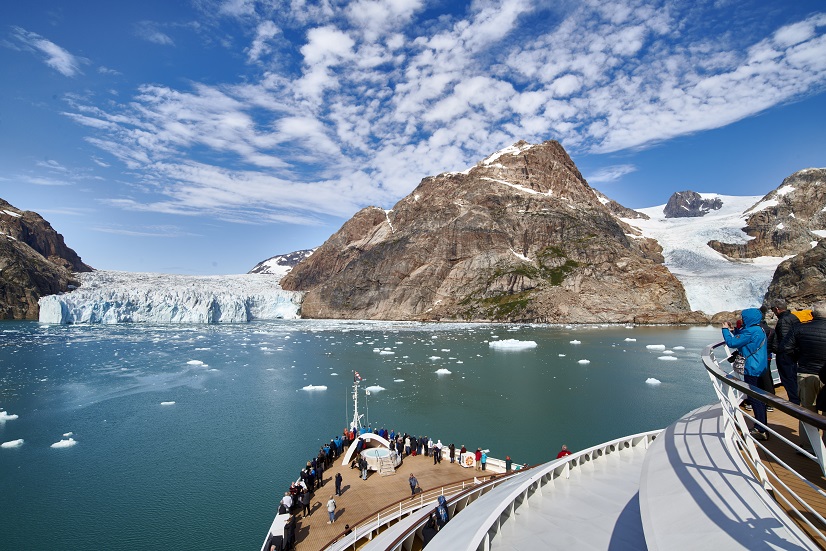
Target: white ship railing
{"x": 731, "y": 392}
{"x": 531, "y": 481}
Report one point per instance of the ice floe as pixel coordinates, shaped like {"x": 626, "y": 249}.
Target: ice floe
{"x": 443, "y": 371}
{"x": 65, "y": 443}
{"x": 629, "y": 339}
{"x": 653, "y": 381}
{"x": 375, "y": 388}
{"x": 584, "y": 362}
{"x": 512, "y": 344}
{"x": 667, "y": 358}
{"x": 167, "y": 403}
{"x": 655, "y": 346}
{"x": 314, "y": 387}
{"x": 7, "y": 416}
{"x": 195, "y": 362}
{"x": 398, "y": 380}
{"x": 12, "y": 443}
{"x": 576, "y": 342}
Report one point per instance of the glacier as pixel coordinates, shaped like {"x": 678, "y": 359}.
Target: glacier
{"x": 121, "y": 297}
{"x": 712, "y": 282}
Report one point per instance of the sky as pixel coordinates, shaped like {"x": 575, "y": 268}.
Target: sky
{"x": 204, "y": 136}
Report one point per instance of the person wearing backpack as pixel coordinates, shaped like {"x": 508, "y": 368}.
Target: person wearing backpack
{"x": 751, "y": 343}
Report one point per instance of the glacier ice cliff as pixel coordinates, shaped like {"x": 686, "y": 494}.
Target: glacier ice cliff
{"x": 122, "y": 297}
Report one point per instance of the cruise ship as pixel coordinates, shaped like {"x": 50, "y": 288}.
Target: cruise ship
{"x": 702, "y": 483}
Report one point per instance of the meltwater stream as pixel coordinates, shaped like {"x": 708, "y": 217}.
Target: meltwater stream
{"x": 184, "y": 437}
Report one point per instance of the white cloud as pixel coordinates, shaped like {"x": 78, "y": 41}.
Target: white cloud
{"x": 266, "y": 31}
{"x": 55, "y": 57}
{"x": 611, "y": 173}
{"x": 150, "y": 31}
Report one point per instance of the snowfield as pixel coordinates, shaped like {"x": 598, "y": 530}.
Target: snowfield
{"x": 712, "y": 282}
{"x": 118, "y": 297}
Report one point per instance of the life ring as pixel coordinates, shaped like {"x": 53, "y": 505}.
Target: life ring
{"x": 468, "y": 461}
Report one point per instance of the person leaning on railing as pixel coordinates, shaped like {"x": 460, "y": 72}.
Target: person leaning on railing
{"x": 751, "y": 342}
{"x": 806, "y": 344}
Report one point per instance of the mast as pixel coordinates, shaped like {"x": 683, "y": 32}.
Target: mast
{"x": 356, "y": 422}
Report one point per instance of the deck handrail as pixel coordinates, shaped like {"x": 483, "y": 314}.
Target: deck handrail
{"x": 731, "y": 392}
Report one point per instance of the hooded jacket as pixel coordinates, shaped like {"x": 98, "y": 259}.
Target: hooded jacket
{"x": 750, "y": 341}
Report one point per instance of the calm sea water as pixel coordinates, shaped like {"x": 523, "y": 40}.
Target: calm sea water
{"x": 207, "y": 471}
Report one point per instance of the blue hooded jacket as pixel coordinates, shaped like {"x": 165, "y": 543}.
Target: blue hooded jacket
{"x": 751, "y": 342}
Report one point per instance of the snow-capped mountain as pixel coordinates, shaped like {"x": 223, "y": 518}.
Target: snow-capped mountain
{"x": 116, "y": 297}
{"x": 280, "y": 265}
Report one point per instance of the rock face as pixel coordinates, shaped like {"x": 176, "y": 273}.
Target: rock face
{"x": 34, "y": 262}
{"x": 787, "y": 221}
{"x": 690, "y": 204}
{"x": 519, "y": 237}
{"x": 801, "y": 280}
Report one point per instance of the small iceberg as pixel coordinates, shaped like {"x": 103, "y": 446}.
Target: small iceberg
{"x": 512, "y": 344}
{"x": 667, "y": 358}
{"x": 561, "y": 355}
{"x": 584, "y": 362}
{"x": 443, "y": 371}
{"x": 679, "y": 348}
{"x": 655, "y": 346}
{"x": 12, "y": 443}
{"x": 576, "y": 342}
{"x": 629, "y": 339}
{"x": 386, "y": 353}
{"x": 652, "y": 381}
{"x": 314, "y": 387}
{"x": 196, "y": 362}
{"x": 167, "y": 403}
{"x": 433, "y": 358}
{"x": 7, "y": 416}
{"x": 398, "y": 380}
{"x": 65, "y": 443}
{"x": 375, "y": 388}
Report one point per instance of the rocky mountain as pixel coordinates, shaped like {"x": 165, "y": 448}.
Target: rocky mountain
{"x": 519, "y": 237}
{"x": 787, "y": 221}
{"x": 34, "y": 262}
{"x": 690, "y": 204}
{"x": 801, "y": 280}
{"x": 281, "y": 264}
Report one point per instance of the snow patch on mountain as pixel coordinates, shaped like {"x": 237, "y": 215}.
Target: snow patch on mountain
{"x": 120, "y": 297}
{"x": 713, "y": 283}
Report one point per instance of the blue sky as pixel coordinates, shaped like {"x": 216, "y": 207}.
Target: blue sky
{"x": 204, "y": 136}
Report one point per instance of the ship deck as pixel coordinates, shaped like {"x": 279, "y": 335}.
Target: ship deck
{"x": 362, "y": 499}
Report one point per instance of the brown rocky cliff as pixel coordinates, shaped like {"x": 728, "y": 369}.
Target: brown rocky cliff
{"x": 34, "y": 262}
{"x": 519, "y": 237}
{"x": 800, "y": 280}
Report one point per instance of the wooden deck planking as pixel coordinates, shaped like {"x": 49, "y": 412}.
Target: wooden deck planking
{"x": 787, "y": 426}
{"x": 364, "y": 498}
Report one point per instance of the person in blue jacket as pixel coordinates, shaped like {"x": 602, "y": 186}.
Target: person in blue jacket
{"x": 751, "y": 343}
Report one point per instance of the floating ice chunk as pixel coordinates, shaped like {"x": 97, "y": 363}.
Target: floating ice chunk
{"x": 655, "y": 346}
{"x": 65, "y": 443}
{"x": 195, "y": 362}
{"x": 435, "y": 358}
{"x": 314, "y": 387}
{"x": 678, "y": 347}
{"x": 512, "y": 344}
{"x": 667, "y": 358}
{"x": 68, "y": 434}
{"x": 668, "y": 352}
{"x": 334, "y": 374}
{"x": 445, "y": 350}
{"x": 583, "y": 362}
{"x": 561, "y": 355}
{"x": 7, "y": 416}
{"x": 653, "y": 381}
{"x": 443, "y": 371}
{"x": 167, "y": 403}
{"x": 576, "y": 342}
{"x": 629, "y": 339}
{"x": 202, "y": 349}
{"x": 398, "y": 380}
{"x": 375, "y": 388}
{"x": 12, "y": 443}
{"x": 386, "y": 353}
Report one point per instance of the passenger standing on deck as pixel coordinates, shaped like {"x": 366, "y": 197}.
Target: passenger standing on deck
{"x": 363, "y": 465}
{"x": 806, "y": 344}
{"x": 484, "y": 460}
{"x": 563, "y": 452}
{"x": 406, "y": 445}
{"x": 305, "y": 503}
{"x": 751, "y": 343}
{"x": 331, "y": 509}
{"x": 429, "y": 446}
{"x": 338, "y": 484}
{"x": 452, "y": 449}
{"x": 478, "y": 459}
{"x": 413, "y": 485}
{"x": 786, "y": 366}
{"x": 462, "y": 453}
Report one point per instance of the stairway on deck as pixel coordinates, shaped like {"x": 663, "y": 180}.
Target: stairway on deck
{"x": 686, "y": 491}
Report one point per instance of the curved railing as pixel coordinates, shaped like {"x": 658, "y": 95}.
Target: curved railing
{"x": 531, "y": 481}
{"x": 731, "y": 392}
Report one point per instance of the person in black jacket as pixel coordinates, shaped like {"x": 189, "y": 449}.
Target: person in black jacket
{"x": 786, "y": 366}
{"x": 806, "y": 343}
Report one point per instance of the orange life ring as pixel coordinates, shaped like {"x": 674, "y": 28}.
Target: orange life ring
{"x": 469, "y": 460}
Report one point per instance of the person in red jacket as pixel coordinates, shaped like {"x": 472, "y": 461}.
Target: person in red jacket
{"x": 563, "y": 452}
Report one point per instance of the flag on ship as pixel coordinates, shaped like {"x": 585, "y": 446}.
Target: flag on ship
{"x": 356, "y": 376}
